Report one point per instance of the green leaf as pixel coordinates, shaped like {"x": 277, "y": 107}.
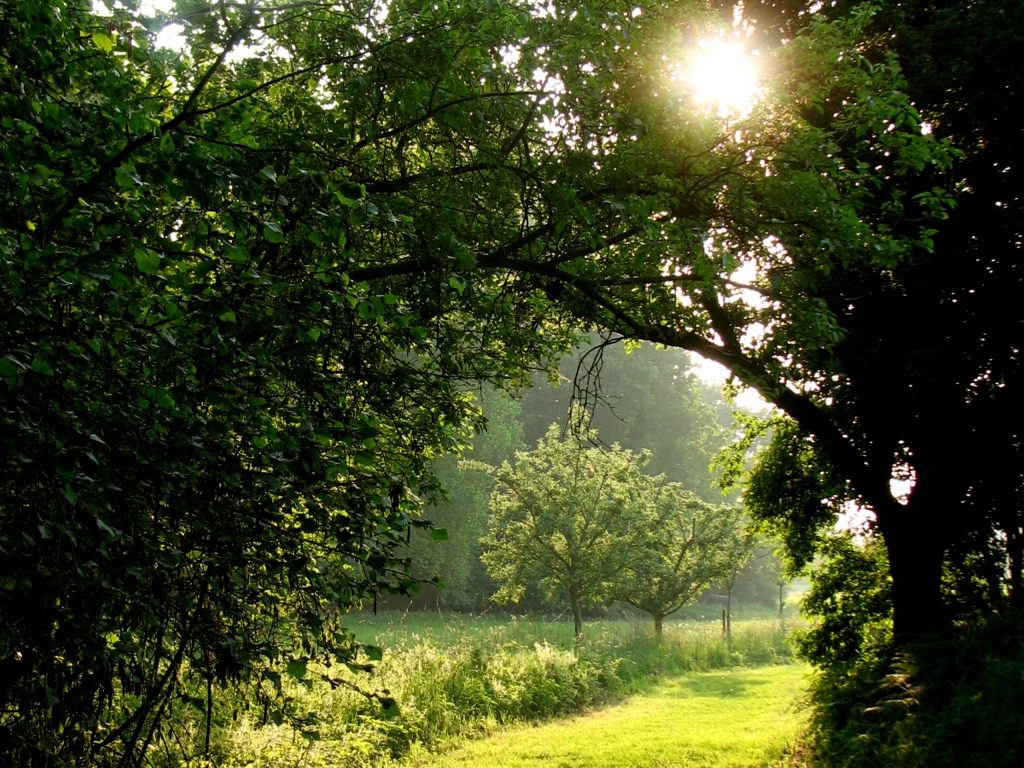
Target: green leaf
{"x": 272, "y": 232}
{"x": 103, "y": 41}
{"x": 465, "y": 261}
{"x": 367, "y": 310}
{"x": 41, "y": 365}
{"x": 348, "y": 202}
{"x": 9, "y": 369}
{"x": 147, "y": 260}
{"x": 296, "y": 668}
{"x": 110, "y": 531}
{"x": 127, "y": 177}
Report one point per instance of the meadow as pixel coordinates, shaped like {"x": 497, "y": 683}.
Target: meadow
{"x": 735, "y": 718}
{"x": 443, "y": 679}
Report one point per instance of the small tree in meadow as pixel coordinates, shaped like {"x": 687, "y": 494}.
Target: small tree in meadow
{"x": 690, "y": 544}
{"x": 567, "y": 518}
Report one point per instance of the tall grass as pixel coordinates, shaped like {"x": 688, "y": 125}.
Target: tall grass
{"x": 452, "y": 677}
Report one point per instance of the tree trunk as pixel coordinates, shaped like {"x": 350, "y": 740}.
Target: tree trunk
{"x": 577, "y": 616}
{"x": 915, "y": 564}
{"x": 657, "y": 626}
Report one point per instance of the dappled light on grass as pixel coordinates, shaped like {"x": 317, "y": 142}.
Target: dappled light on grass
{"x": 737, "y": 718}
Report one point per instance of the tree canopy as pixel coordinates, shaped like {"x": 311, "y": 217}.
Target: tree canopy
{"x": 689, "y": 546}
{"x": 234, "y": 336}
{"x": 644, "y": 398}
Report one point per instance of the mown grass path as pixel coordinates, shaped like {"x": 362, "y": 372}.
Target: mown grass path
{"x": 732, "y": 718}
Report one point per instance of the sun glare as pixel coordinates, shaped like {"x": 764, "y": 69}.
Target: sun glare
{"x": 722, "y": 75}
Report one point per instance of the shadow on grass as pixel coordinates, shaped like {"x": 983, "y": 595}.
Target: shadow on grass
{"x": 716, "y": 685}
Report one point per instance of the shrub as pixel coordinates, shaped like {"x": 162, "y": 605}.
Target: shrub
{"x": 944, "y": 705}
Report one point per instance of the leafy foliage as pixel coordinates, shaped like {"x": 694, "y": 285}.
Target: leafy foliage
{"x": 566, "y": 517}
{"x": 461, "y": 513}
{"x": 943, "y": 704}
{"x": 220, "y": 398}
{"x": 244, "y": 286}
{"x": 454, "y": 677}
{"x": 643, "y": 398}
{"x": 850, "y": 600}
{"x": 690, "y": 545}
{"x": 793, "y": 491}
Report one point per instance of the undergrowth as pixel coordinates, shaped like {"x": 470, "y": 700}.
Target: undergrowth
{"x": 952, "y": 704}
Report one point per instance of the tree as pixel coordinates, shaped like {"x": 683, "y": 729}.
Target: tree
{"x": 220, "y": 398}
{"x": 764, "y": 579}
{"x": 568, "y": 518}
{"x": 848, "y": 200}
{"x": 244, "y": 293}
{"x": 690, "y": 546}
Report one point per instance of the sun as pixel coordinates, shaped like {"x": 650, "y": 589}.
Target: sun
{"x": 722, "y": 75}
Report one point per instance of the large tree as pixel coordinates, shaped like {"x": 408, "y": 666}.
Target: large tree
{"x": 873, "y": 316}
{"x": 220, "y": 398}
{"x": 242, "y": 285}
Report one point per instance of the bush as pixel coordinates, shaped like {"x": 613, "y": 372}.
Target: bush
{"x": 944, "y": 705}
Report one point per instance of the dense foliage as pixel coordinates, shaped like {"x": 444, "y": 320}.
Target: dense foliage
{"x": 643, "y": 398}
{"x": 447, "y": 564}
{"x": 453, "y": 677}
{"x": 219, "y": 402}
{"x": 587, "y": 525}
{"x": 688, "y": 545}
{"x": 567, "y": 517}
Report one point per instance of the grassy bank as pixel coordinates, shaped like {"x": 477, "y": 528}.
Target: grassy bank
{"x": 444, "y": 678}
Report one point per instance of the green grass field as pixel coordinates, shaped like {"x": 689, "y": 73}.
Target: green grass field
{"x": 453, "y": 678}
{"x": 737, "y": 718}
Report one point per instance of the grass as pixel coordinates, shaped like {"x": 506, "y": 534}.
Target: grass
{"x": 723, "y": 719}
{"x": 459, "y": 677}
